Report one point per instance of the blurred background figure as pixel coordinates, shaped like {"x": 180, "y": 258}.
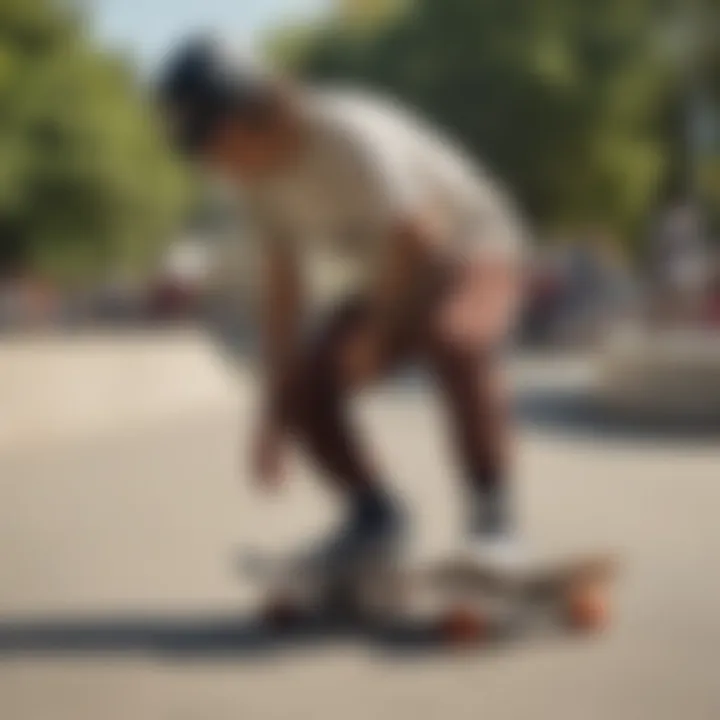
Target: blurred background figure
{"x": 181, "y": 278}
{"x": 681, "y": 264}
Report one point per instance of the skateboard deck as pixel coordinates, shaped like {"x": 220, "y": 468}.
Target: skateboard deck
{"x": 468, "y": 603}
{"x": 571, "y": 593}
{"x": 538, "y": 582}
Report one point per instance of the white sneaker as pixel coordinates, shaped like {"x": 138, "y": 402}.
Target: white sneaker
{"x": 501, "y": 555}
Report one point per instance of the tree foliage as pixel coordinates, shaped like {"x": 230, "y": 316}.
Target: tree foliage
{"x": 571, "y": 102}
{"x": 85, "y": 180}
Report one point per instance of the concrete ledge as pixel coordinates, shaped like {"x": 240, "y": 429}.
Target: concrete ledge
{"x": 673, "y": 376}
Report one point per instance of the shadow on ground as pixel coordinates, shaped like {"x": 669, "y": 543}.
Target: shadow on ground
{"x": 213, "y": 637}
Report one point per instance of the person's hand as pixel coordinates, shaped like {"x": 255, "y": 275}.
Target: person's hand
{"x": 267, "y": 455}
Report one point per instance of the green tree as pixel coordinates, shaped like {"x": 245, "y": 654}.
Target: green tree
{"x": 86, "y": 182}
{"x": 568, "y": 101}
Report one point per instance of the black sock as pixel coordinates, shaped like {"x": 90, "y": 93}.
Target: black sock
{"x": 371, "y": 504}
{"x": 490, "y": 507}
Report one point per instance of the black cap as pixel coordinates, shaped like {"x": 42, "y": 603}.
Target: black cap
{"x": 204, "y": 80}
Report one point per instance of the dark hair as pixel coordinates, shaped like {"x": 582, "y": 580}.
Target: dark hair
{"x": 204, "y": 82}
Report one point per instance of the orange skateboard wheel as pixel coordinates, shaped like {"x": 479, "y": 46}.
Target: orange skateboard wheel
{"x": 463, "y": 626}
{"x": 588, "y": 608}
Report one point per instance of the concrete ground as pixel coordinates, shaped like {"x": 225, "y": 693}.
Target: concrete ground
{"x": 120, "y": 595}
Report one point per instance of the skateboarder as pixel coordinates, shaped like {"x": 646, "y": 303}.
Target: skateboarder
{"x": 435, "y": 247}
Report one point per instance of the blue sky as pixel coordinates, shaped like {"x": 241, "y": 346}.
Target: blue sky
{"x": 145, "y": 28}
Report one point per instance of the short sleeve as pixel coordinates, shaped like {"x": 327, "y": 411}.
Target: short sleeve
{"x": 369, "y": 139}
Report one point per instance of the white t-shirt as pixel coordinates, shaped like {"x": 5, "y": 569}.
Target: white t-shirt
{"x": 367, "y": 165}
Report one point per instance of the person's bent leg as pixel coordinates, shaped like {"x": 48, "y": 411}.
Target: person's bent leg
{"x": 316, "y": 407}
{"x": 475, "y": 396}
{"x": 466, "y": 349}
{"x": 318, "y": 416}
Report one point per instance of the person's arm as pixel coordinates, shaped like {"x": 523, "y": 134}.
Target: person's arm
{"x": 280, "y": 318}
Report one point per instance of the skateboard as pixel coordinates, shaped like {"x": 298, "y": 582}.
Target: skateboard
{"x": 569, "y": 593}
{"x": 458, "y": 602}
